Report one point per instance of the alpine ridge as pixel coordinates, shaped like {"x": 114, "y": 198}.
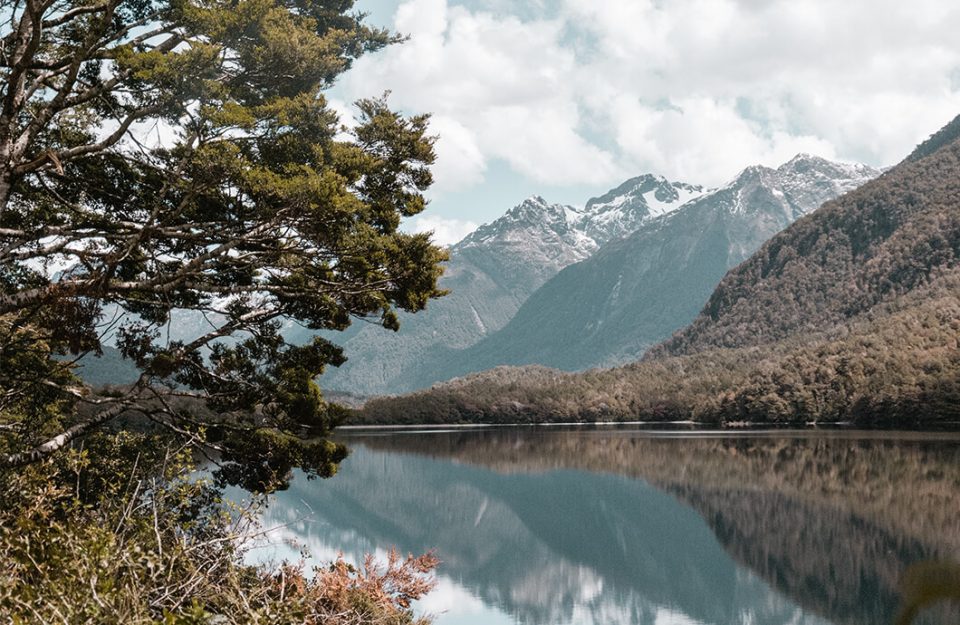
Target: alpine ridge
{"x": 635, "y": 291}
{"x": 491, "y": 273}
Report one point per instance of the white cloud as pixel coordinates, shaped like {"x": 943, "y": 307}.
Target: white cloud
{"x": 542, "y": 144}
{"x": 445, "y": 231}
{"x": 460, "y": 162}
{"x": 859, "y": 79}
{"x": 702, "y": 139}
{"x": 585, "y": 92}
{"x": 499, "y": 86}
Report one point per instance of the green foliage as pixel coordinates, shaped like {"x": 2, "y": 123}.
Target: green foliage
{"x": 120, "y": 531}
{"x": 256, "y": 207}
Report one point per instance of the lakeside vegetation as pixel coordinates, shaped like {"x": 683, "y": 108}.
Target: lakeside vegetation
{"x": 119, "y": 530}
{"x": 162, "y": 158}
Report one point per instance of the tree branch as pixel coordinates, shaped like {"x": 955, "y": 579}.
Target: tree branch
{"x": 81, "y": 150}
{"x": 60, "y": 441}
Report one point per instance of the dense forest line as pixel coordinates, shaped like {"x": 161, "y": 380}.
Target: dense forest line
{"x": 850, "y": 314}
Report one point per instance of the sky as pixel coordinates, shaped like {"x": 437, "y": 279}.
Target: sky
{"x": 568, "y": 98}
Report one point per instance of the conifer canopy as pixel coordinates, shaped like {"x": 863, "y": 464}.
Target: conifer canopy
{"x": 159, "y": 156}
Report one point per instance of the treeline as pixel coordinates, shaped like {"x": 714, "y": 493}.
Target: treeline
{"x": 899, "y": 364}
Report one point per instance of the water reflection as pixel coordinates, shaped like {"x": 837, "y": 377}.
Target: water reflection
{"x": 552, "y": 527}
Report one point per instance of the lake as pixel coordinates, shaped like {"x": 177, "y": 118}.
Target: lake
{"x": 624, "y": 525}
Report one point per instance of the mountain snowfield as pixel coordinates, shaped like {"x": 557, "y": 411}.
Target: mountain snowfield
{"x": 579, "y": 287}
{"x": 622, "y": 210}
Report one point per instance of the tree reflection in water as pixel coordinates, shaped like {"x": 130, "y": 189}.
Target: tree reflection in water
{"x": 598, "y": 526}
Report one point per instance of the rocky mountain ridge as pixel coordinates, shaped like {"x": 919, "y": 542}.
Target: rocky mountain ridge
{"x": 492, "y": 272}
{"x": 636, "y": 291}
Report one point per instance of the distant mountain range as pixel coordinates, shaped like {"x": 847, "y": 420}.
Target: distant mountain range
{"x": 850, "y": 314}
{"x": 636, "y": 291}
{"x": 491, "y": 273}
{"x": 575, "y": 288}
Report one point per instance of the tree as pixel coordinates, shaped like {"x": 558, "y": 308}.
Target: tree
{"x": 179, "y": 155}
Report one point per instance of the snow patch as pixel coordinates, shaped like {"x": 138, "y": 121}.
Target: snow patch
{"x": 478, "y": 320}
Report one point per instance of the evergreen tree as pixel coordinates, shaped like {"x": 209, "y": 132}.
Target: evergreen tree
{"x": 166, "y": 155}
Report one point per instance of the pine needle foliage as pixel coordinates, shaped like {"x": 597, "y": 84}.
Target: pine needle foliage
{"x": 165, "y": 157}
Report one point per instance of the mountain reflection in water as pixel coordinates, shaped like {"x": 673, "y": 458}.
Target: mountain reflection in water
{"x": 613, "y": 526}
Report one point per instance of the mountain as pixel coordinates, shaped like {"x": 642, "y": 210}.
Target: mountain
{"x": 634, "y": 292}
{"x": 863, "y": 250}
{"x": 851, "y": 314}
{"x": 491, "y": 273}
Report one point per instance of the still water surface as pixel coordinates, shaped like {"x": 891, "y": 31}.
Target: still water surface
{"x": 609, "y": 526}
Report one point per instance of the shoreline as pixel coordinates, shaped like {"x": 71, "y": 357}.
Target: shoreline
{"x": 661, "y": 429}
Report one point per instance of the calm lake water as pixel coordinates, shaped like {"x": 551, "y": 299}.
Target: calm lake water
{"x": 591, "y": 526}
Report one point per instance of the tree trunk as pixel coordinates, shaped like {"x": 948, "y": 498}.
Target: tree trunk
{"x": 6, "y": 185}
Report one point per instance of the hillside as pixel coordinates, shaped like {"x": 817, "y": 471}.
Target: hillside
{"x": 851, "y": 314}
{"x": 899, "y": 367}
{"x": 635, "y": 292}
{"x": 870, "y": 246}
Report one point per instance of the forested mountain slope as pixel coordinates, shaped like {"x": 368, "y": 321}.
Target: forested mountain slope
{"x": 870, "y": 246}
{"x": 898, "y": 365}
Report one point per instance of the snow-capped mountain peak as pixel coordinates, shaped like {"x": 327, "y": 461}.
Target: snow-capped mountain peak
{"x": 533, "y": 217}
{"x": 794, "y": 188}
{"x": 568, "y": 234}
{"x": 654, "y": 193}
{"x": 622, "y": 210}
